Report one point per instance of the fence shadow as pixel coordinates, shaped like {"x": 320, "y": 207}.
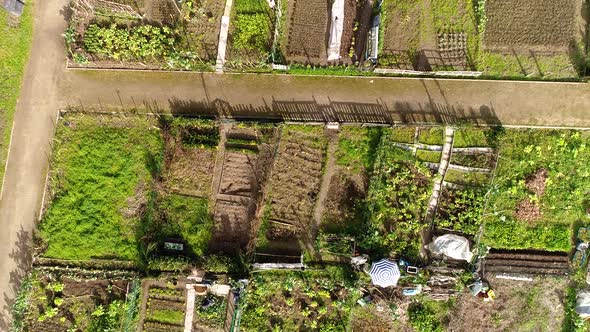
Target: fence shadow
{"x": 377, "y": 112}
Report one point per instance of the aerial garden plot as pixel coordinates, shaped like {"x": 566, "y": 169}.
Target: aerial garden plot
{"x": 147, "y": 34}
{"x": 516, "y": 38}
{"x": 162, "y": 222}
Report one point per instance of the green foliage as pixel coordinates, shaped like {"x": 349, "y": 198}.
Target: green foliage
{"x": 572, "y": 321}
{"x": 168, "y": 264}
{"x": 136, "y": 43}
{"x": 166, "y": 316}
{"x": 357, "y": 147}
{"x": 107, "y": 319}
{"x": 252, "y": 32}
{"x": 131, "y": 308}
{"x": 212, "y": 316}
{"x": 423, "y": 319}
{"x": 432, "y": 136}
{"x": 98, "y": 174}
{"x": 472, "y": 179}
{"x": 481, "y": 160}
{"x": 460, "y": 210}
{"x": 297, "y": 300}
{"x": 15, "y": 43}
{"x": 428, "y": 156}
{"x": 332, "y": 70}
{"x": 564, "y": 155}
{"x": 403, "y": 134}
{"x": 21, "y": 304}
{"x": 475, "y": 137}
{"x": 428, "y": 316}
{"x": 189, "y": 218}
{"x": 218, "y": 264}
{"x": 194, "y": 132}
{"x": 513, "y": 234}
{"x": 399, "y": 194}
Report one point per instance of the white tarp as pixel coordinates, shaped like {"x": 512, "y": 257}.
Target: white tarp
{"x": 583, "y": 303}
{"x": 336, "y": 26}
{"x": 453, "y": 246}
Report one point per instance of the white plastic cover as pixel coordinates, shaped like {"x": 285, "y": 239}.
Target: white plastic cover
{"x": 583, "y": 303}
{"x": 453, "y": 246}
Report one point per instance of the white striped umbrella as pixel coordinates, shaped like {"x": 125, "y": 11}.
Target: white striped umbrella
{"x": 384, "y": 273}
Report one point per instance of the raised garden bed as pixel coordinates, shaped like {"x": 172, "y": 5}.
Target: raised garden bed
{"x": 465, "y": 178}
{"x": 210, "y": 312}
{"x": 431, "y": 136}
{"x": 403, "y": 134}
{"x": 428, "y": 156}
{"x": 57, "y": 302}
{"x": 293, "y": 301}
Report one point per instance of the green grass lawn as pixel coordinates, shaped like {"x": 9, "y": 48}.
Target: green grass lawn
{"x": 564, "y": 156}
{"x": 357, "y": 148}
{"x": 189, "y": 218}
{"x": 15, "y": 43}
{"x": 100, "y": 174}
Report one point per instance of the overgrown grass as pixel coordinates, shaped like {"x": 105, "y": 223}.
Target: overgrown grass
{"x": 403, "y": 134}
{"x": 564, "y": 156}
{"x": 15, "y": 44}
{"x": 472, "y": 179}
{"x": 167, "y": 316}
{"x": 432, "y": 136}
{"x": 188, "y": 218}
{"x": 428, "y": 156}
{"x": 357, "y": 147}
{"x": 428, "y": 315}
{"x": 251, "y": 34}
{"x": 474, "y": 137}
{"x": 548, "y": 67}
{"x": 100, "y": 170}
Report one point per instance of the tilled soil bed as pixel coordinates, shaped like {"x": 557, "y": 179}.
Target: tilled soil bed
{"x": 525, "y": 262}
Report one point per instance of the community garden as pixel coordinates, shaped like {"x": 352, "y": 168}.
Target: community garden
{"x": 138, "y": 196}
{"x": 517, "y": 39}
{"x": 150, "y": 34}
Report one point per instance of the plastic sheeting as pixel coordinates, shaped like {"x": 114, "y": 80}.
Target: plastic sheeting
{"x": 583, "y": 303}
{"x": 336, "y": 27}
{"x": 453, "y": 246}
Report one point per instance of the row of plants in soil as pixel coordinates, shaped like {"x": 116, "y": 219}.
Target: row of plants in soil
{"x": 210, "y": 311}
{"x": 57, "y": 303}
{"x": 399, "y": 193}
{"x": 251, "y": 35}
{"x": 296, "y": 300}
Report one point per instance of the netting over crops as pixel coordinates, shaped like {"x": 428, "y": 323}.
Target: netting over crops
{"x": 103, "y": 7}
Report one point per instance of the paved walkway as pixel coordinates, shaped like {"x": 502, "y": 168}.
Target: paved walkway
{"x": 313, "y": 98}
{"x": 32, "y": 132}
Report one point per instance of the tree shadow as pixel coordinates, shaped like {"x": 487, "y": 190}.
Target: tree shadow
{"x": 22, "y": 257}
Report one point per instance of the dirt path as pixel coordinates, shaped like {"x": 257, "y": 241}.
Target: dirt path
{"x": 329, "y": 170}
{"x": 32, "y": 132}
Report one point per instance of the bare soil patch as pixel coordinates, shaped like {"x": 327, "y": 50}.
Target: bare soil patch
{"x": 308, "y": 22}
{"x": 344, "y": 192}
{"x": 530, "y": 25}
{"x": 527, "y": 210}
{"x": 536, "y": 182}
{"x": 295, "y": 181}
{"x": 519, "y": 306}
{"x": 191, "y": 169}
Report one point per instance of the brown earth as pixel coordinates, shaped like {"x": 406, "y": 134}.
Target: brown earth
{"x": 190, "y": 170}
{"x": 295, "y": 181}
{"x": 307, "y": 36}
{"x": 519, "y": 306}
{"x": 344, "y": 192}
{"x": 530, "y": 25}
{"x": 536, "y": 182}
{"x": 527, "y": 210}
